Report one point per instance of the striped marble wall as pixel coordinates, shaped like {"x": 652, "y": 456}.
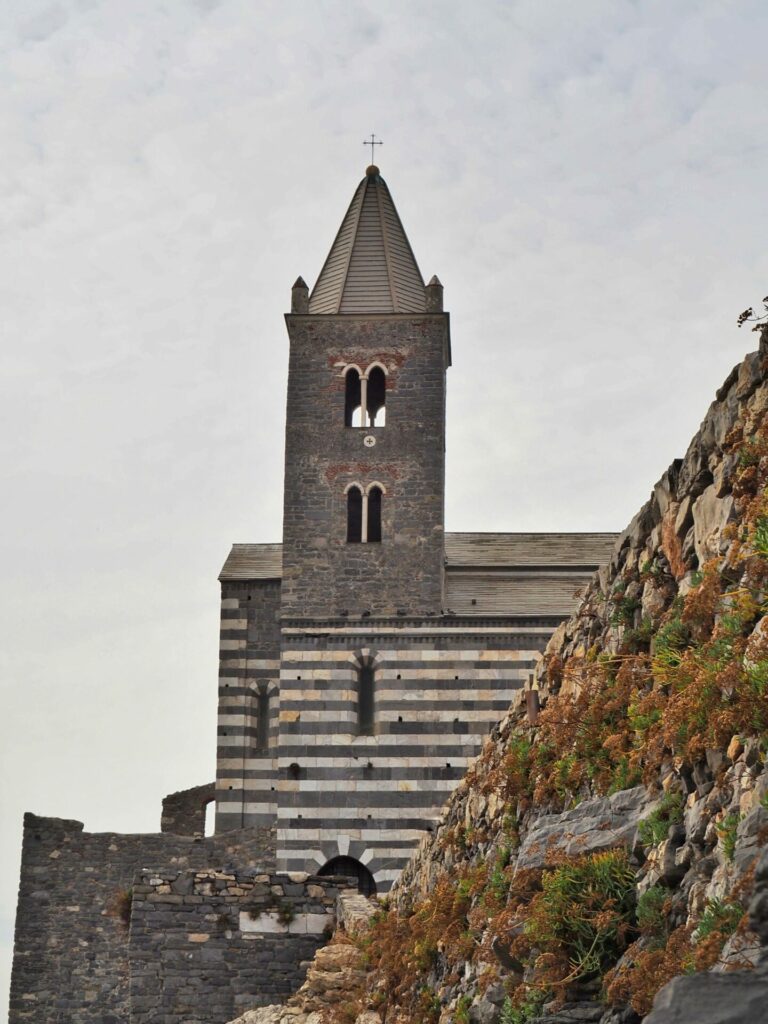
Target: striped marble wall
{"x": 372, "y": 796}
{"x": 249, "y": 663}
{"x": 440, "y": 683}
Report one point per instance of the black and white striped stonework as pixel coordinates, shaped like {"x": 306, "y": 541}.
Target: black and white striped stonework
{"x": 439, "y": 685}
{"x": 249, "y": 665}
{"x": 371, "y": 797}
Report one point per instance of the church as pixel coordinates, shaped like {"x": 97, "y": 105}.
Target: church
{"x": 363, "y": 662}
{"x": 365, "y": 659}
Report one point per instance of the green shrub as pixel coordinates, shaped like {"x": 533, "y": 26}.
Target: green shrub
{"x": 726, "y": 829}
{"x": 499, "y": 882}
{"x": 624, "y": 610}
{"x": 650, "y": 913}
{"x": 584, "y": 909}
{"x": 719, "y": 917}
{"x": 527, "y": 1011}
{"x": 462, "y": 1009}
{"x": 669, "y": 643}
{"x": 760, "y": 536}
{"x": 624, "y": 776}
{"x": 638, "y": 639}
{"x": 653, "y": 829}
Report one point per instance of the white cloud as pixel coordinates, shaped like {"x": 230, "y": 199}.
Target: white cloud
{"x": 587, "y": 180}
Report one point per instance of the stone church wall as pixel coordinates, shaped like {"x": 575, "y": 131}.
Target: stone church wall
{"x": 205, "y": 945}
{"x": 71, "y": 943}
{"x": 440, "y": 688}
{"x": 249, "y": 658}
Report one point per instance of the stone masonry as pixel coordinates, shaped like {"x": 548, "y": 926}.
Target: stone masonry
{"x": 322, "y": 574}
{"x": 207, "y": 944}
{"x": 71, "y": 960}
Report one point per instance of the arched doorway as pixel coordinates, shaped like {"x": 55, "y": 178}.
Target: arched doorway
{"x": 349, "y": 867}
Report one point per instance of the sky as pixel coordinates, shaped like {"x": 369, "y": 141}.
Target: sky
{"x": 587, "y": 180}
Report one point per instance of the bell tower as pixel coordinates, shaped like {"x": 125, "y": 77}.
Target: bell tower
{"x": 363, "y": 530}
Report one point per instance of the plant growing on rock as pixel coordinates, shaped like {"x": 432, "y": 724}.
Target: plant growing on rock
{"x": 643, "y": 971}
{"x": 758, "y": 319}
{"x": 726, "y": 830}
{"x": 653, "y": 829}
{"x": 121, "y": 906}
{"x": 462, "y": 1009}
{"x": 720, "y": 918}
{"x": 652, "y": 909}
{"x": 576, "y": 925}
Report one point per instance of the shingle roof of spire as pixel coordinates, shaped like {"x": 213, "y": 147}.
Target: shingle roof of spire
{"x": 371, "y": 267}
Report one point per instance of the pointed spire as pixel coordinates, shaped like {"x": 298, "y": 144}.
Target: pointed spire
{"x": 371, "y": 267}
{"x": 300, "y": 296}
{"x": 434, "y": 295}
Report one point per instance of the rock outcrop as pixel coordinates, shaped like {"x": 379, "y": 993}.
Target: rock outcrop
{"x": 603, "y": 850}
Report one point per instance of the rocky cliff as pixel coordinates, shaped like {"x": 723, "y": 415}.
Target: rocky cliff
{"x": 604, "y": 851}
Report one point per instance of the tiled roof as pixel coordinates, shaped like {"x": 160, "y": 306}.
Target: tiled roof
{"x": 253, "y": 562}
{"x": 528, "y": 593}
{"x": 510, "y": 549}
{"x": 371, "y": 267}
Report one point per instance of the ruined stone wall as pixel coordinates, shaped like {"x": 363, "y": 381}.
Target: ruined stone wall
{"x": 71, "y": 943}
{"x": 323, "y": 574}
{"x": 207, "y": 944}
{"x": 184, "y": 812}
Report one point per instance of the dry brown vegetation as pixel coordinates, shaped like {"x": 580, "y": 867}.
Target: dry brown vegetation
{"x": 676, "y": 688}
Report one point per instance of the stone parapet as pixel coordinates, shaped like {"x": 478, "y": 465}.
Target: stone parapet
{"x": 204, "y": 945}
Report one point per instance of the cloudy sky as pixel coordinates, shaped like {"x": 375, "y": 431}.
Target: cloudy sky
{"x": 588, "y": 180}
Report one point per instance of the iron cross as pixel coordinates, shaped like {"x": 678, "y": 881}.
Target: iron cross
{"x": 373, "y": 141}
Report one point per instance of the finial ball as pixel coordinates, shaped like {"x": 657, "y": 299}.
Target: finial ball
{"x": 372, "y": 171}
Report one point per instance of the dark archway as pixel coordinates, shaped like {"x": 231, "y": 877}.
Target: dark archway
{"x": 354, "y": 515}
{"x": 351, "y": 868}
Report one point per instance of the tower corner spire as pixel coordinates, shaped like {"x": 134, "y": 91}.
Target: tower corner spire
{"x": 434, "y": 295}
{"x": 299, "y": 296}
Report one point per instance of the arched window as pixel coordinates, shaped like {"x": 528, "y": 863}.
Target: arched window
{"x": 365, "y": 396}
{"x": 354, "y": 515}
{"x": 374, "y": 515}
{"x": 353, "y": 413}
{"x": 262, "y": 720}
{"x": 376, "y": 397}
{"x": 364, "y": 513}
{"x": 365, "y": 700}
